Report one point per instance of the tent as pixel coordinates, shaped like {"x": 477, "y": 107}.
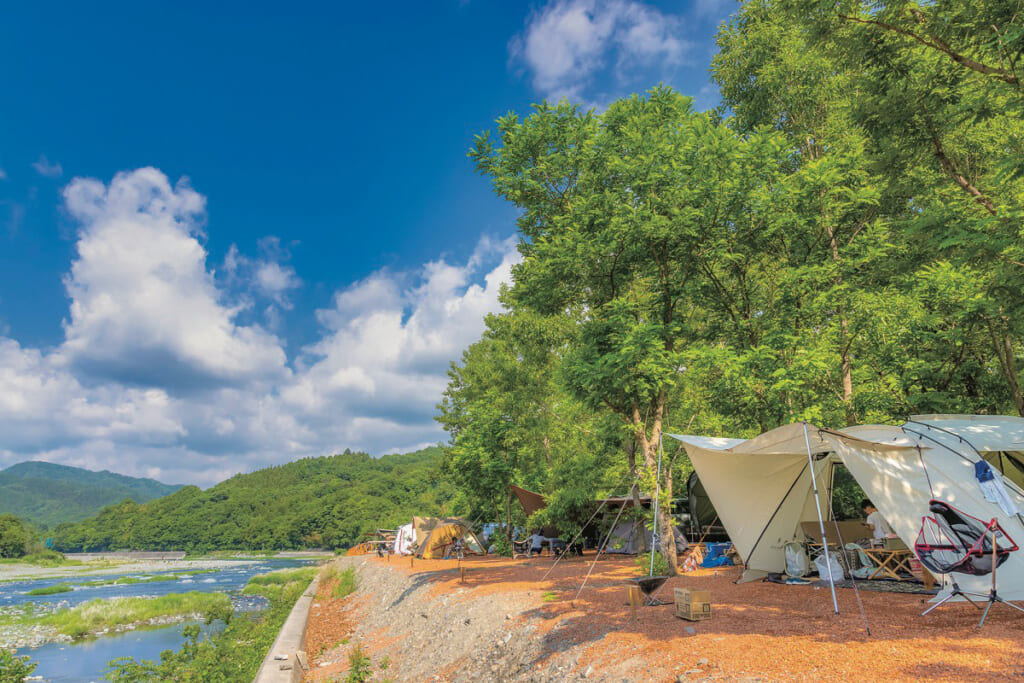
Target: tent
{"x": 433, "y": 534}
{"x": 698, "y": 503}
{"x": 762, "y": 487}
{"x": 405, "y": 540}
{"x": 625, "y": 539}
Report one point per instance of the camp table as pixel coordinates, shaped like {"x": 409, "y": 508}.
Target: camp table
{"x": 889, "y": 562}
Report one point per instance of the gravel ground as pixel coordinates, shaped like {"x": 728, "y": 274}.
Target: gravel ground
{"x": 509, "y": 623}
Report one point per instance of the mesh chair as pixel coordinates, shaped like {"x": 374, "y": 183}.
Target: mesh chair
{"x": 953, "y": 542}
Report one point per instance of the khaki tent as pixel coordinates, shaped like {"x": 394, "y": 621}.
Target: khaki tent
{"x": 435, "y": 534}
{"x": 762, "y": 487}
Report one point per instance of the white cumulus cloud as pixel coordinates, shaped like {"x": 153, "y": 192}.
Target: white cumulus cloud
{"x": 157, "y": 377}
{"x": 145, "y": 310}
{"x": 568, "y": 45}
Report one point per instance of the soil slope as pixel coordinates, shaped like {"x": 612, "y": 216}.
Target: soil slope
{"x": 508, "y": 622}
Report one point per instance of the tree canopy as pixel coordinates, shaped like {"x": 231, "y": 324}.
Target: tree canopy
{"x": 840, "y": 242}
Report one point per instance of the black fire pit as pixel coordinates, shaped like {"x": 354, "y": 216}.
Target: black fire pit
{"x": 649, "y": 585}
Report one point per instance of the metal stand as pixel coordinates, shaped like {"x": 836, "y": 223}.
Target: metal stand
{"x": 821, "y": 521}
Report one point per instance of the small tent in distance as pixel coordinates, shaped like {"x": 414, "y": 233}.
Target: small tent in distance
{"x": 434, "y": 535}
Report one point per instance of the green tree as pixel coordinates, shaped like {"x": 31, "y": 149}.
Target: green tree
{"x": 14, "y": 669}
{"x": 13, "y": 536}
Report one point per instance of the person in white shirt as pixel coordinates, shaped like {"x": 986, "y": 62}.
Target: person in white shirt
{"x": 879, "y": 527}
{"x": 536, "y": 541}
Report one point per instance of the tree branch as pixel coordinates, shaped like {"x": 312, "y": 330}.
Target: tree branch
{"x": 937, "y": 43}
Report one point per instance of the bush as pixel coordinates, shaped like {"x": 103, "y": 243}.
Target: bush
{"x": 661, "y": 567}
{"x": 14, "y": 669}
{"x": 13, "y": 536}
{"x": 360, "y": 668}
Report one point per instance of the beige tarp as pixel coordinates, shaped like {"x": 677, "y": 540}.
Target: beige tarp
{"x": 762, "y": 489}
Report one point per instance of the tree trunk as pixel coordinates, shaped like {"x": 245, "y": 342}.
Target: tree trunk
{"x": 845, "y": 362}
{"x": 508, "y": 516}
{"x": 1003, "y": 344}
{"x": 649, "y": 449}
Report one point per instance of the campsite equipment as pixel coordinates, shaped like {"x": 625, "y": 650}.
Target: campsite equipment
{"x": 828, "y": 566}
{"x": 649, "y": 585}
{"x": 762, "y": 488}
{"x": 797, "y": 563}
{"x": 951, "y": 541}
{"x": 692, "y": 605}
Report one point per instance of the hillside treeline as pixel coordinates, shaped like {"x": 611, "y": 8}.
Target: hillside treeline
{"x": 325, "y": 502}
{"x": 839, "y": 242}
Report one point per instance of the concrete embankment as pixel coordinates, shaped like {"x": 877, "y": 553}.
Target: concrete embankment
{"x": 286, "y": 659}
{"x": 126, "y": 556}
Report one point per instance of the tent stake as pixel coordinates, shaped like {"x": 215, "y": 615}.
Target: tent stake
{"x": 821, "y": 521}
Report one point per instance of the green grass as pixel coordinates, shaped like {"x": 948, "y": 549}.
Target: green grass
{"x": 98, "y": 615}
{"x": 51, "y": 590}
{"x": 281, "y": 577}
{"x": 549, "y": 596}
{"x": 46, "y": 558}
{"x": 347, "y": 584}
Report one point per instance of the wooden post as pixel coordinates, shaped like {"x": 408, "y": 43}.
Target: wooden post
{"x": 462, "y": 575}
{"x": 411, "y": 558}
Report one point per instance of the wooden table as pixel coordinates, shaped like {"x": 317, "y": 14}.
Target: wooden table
{"x": 890, "y": 562}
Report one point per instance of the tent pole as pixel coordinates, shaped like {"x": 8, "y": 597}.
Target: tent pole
{"x": 657, "y": 499}
{"x": 821, "y": 520}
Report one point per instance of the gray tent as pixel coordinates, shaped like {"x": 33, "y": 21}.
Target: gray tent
{"x": 625, "y": 539}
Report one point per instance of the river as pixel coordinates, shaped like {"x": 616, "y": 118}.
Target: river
{"x": 85, "y": 661}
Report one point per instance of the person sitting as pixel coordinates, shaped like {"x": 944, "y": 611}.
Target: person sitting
{"x": 536, "y": 542}
{"x": 879, "y": 527}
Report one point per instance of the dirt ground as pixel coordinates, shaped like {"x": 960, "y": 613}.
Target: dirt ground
{"x": 509, "y": 622}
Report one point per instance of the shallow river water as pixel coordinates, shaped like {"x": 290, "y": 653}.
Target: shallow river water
{"x": 85, "y": 661}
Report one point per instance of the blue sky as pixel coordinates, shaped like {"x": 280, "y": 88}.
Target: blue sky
{"x": 238, "y": 233}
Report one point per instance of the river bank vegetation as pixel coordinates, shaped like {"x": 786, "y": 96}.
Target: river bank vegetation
{"x": 104, "y": 615}
{"x": 235, "y": 653}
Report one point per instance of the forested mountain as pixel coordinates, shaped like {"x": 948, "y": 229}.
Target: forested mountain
{"x": 310, "y": 503}
{"x": 48, "y": 494}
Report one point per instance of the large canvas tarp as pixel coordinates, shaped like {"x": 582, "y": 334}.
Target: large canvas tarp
{"x": 762, "y": 488}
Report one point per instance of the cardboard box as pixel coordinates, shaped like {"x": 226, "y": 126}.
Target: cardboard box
{"x": 692, "y": 605}
{"x": 893, "y": 544}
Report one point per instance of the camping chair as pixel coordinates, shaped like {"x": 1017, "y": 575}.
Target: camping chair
{"x": 953, "y": 542}
{"x": 521, "y": 549}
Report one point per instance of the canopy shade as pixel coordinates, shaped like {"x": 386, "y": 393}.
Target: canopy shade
{"x": 762, "y": 488}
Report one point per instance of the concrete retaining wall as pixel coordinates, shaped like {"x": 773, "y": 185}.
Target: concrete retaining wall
{"x": 287, "y": 656}
{"x": 126, "y": 555}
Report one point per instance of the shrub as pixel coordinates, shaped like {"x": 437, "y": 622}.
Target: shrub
{"x": 360, "y": 668}
{"x": 14, "y": 669}
{"x": 661, "y": 567}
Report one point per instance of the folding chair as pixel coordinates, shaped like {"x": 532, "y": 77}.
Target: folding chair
{"x": 953, "y": 542}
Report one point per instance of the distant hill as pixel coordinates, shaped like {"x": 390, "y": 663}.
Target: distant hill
{"x": 310, "y": 503}
{"x": 48, "y": 494}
